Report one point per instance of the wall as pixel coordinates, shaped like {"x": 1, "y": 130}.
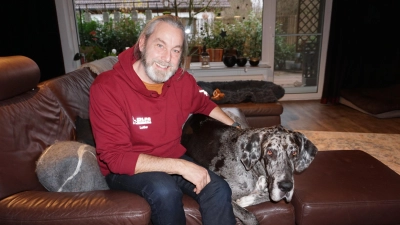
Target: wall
{"x": 30, "y": 28}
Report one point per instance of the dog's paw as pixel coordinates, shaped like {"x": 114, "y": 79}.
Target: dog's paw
{"x": 245, "y": 201}
{"x": 261, "y": 184}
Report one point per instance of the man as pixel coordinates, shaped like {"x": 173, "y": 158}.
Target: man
{"x": 137, "y": 111}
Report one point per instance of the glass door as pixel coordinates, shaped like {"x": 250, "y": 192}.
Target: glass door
{"x": 298, "y": 37}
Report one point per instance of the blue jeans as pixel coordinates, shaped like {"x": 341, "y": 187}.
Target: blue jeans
{"x": 164, "y": 194}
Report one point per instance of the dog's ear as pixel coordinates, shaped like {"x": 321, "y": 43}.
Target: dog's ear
{"x": 307, "y": 152}
{"x": 251, "y": 151}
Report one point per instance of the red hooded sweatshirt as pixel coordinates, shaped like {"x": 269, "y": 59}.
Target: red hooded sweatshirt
{"x": 127, "y": 119}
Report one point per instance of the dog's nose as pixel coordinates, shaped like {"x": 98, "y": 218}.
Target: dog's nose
{"x": 285, "y": 186}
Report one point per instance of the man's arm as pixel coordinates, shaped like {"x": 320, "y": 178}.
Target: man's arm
{"x": 220, "y": 115}
{"x": 192, "y": 172}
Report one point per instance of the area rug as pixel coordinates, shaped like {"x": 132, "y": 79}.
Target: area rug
{"x": 384, "y": 147}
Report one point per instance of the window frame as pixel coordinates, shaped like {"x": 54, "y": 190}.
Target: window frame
{"x": 69, "y": 42}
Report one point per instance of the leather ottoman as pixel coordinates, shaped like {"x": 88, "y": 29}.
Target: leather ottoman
{"x": 347, "y": 187}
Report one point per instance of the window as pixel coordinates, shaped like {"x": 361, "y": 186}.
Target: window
{"x": 267, "y": 9}
{"x": 216, "y": 24}
{"x": 298, "y": 42}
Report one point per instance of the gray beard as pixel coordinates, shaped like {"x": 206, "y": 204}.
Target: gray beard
{"x": 155, "y": 75}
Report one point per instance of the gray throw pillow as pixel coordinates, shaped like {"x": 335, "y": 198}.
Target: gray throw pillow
{"x": 70, "y": 166}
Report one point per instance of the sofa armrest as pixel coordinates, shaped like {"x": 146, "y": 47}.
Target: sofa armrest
{"x": 95, "y": 207}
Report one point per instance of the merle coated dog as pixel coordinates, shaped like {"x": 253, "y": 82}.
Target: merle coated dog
{"x": 257, "y": 163}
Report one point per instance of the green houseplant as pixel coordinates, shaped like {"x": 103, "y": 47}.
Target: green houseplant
{"x": 253, "y": 26}
{"x": 213, "y": 40}
{"x": 283, "y": 50}
{"x": 98, "y": 39}
{"x": 90, "y": 47}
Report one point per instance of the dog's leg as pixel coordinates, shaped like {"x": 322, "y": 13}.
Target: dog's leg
{"x": 259, "y": 169}
{"x": 255, "y": 199}
{"x": 244, "y": 215}
{"x": 258, "y": 195}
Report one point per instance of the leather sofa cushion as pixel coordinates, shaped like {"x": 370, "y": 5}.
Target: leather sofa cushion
{"x": 347, "y": 187}
{"x": 281, "y": 213}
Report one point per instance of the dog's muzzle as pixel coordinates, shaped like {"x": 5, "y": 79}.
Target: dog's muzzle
{"x": 285, "y": 185}
{"x": 281, "y": 190}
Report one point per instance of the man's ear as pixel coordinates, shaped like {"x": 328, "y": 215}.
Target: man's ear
{"x": 141, "y": 42}
{"x": 307, "y": 152}
{"x": 251, "y": 151}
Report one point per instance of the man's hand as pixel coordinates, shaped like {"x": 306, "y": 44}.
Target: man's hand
{"x": 196, "y": 174}
{"x": 192, "y": 172}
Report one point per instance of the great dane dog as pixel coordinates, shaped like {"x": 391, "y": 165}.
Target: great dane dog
{"x": 257, "y": 163}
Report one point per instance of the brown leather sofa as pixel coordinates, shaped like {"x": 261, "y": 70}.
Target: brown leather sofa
{"x": 340, "y": 187}
{"x": 34, "y": 116}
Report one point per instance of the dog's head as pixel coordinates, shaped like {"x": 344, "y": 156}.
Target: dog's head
{"x": 282, "y": 152}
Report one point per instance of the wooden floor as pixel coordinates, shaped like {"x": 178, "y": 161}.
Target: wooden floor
{"x": 312, "y": 115}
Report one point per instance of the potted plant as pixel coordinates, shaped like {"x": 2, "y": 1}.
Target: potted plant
{"x": 239, "y": 39}
{"x": 97, "y": 40}
{"x": 229, "y": 50}
{"x": 213, "y": 40}
{"x": 253, "y": 27}
{"x": 229, "y": 36}
{"x": 194, "y": 50}
{"x": 90, "y": 46}
{"x": 285, "y": 54}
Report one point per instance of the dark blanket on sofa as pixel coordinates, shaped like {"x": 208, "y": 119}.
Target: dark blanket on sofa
{"x": 244, "y": 91}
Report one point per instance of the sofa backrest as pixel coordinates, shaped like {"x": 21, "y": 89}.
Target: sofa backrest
{"x": 34, "y": 117}
{"x": 72, "y": 91}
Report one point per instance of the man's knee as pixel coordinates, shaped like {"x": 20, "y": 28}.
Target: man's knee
{"x": 167, "y": 193}
{"x": 220, "y": 189}
{"x": 163, "y": 191}
{"x": 165, "y": 199}
{"x": 224, "y": 189}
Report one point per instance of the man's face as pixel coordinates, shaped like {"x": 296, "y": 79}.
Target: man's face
{"x": 162, "y": 52}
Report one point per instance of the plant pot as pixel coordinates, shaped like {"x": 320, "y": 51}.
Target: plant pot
{"x": 241, "y": 61}
{"x": 218, "y": 53}
{"x": 229, "y": 60}
{"x": 254, "y": 61}
{"x": 210, "y": 52}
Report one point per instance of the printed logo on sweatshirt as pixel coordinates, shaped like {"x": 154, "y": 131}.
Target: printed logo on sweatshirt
{"x": 141, "y": 120}
{"x": 204, "y": 92}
